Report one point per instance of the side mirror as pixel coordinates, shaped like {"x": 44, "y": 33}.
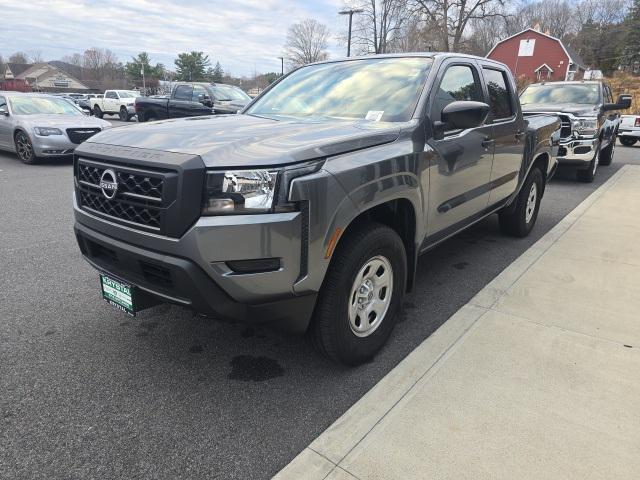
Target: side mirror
{"x": 624, "y": 102}
{"x": 4, "y": 112}
{"x": 461, "y": 115}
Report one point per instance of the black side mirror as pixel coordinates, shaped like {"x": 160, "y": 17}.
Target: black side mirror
{"x": 624, "y": 102}
{"x": 461, "y": 115}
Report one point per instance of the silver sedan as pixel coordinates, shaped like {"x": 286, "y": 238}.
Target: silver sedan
{"x": 37, "y": 125}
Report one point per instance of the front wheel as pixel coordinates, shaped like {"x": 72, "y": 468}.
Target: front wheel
{"x": 588, "y": 175}
{"x": 97, "y": 112}
{"x": 628, "y": 141}
{"x": 124, "y": 115}
{"x": 361, "y": 295}
{"x": 520, "y": 221}
{"x": 24, "y": 149}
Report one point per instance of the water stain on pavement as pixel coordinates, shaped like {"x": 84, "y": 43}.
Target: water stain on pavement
{"x": 461, "y": 265}
{"x": 248, "y": 368}
{"x": 49, "y": 332}
{"x": 196, "y": 348}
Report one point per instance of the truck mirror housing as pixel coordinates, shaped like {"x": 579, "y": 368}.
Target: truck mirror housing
{"x": 624, "y": 101}
{"x": 461, "y": 115}
{"x": 4, "y": 112}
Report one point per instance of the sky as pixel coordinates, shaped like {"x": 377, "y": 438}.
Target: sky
{"x": 243, "y": 35}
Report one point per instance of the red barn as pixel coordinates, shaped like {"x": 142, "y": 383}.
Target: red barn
{"x": 538, "y": 56}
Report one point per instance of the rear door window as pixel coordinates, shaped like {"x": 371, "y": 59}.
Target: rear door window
{"x": 499, "y": 94}
{"x": 183, "y": 92}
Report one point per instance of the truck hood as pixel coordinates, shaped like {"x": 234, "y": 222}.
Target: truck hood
{"x": 572, "y": 108}
{"x": 247, "y": 140}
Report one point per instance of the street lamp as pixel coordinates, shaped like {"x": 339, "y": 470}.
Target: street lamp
{"x": 281, "y": 66}
{"x": 350, "y": 12}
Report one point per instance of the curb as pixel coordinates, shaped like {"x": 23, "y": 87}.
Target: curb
{"x": 321, "y": 459}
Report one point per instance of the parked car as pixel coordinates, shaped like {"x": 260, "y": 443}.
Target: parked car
{"x": 590, "y": 120}
{"x": 116, "y": 102}
{"x": 629, "y": 132}
{"x": 192, "y": 99}
{"x": 308, "y": 211}
{"x": 84, "y": 102}
{"x": 36, "y": 126}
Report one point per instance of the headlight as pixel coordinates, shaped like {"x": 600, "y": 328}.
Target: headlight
{"x": 586, "y": 126}
{"x": 240, "y": 192}
{"x": 46, "y": 131}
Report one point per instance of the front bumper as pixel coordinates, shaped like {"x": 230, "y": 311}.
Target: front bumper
{"x": 52, "y": 145}
{"x": 577, "y": 151}
{"x": 192, "y": 271}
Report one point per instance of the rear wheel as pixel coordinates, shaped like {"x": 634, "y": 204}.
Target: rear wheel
{"x": 24, "y": 149}
{"x": 97, "y": 112}
{"x": 520, "y": 221}
{"x": 606, "y": 154}
{"x": 361, "y": 295}
{"x": 628, "y": 141}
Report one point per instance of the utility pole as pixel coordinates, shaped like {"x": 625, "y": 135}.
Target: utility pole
{"x": 144, "y": 86}
{"x": 281, "y": 66}
{"x": 350, "y": 12}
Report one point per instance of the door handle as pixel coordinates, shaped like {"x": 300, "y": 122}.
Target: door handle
{"x": 487, "y": 142}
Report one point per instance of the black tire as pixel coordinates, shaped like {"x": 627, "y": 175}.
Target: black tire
{"x": 24, "y": 148}
{"x": 331, "y": 330}
{"x": 519, "y": 221}
{"x": 606, "y": 154}
{"x": 97, "y": 112}
{"x": 628, "y": 141}
{"x": 588, "y": 175}
{"x": 123, "y": 114}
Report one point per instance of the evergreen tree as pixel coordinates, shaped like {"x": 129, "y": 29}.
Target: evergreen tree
{"x": 192, "y": 67}
{"x": 631, "y": 49}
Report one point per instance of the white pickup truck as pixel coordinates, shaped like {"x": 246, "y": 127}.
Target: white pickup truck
{"x": 115, "y": 102}
{"x": 629, "y": 130}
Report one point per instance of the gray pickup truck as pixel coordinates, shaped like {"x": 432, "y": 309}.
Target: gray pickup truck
{"x": 309, "y": 209}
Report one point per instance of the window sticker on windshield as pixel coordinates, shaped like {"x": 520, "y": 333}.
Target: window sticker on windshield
{"x": 374, "y": 115}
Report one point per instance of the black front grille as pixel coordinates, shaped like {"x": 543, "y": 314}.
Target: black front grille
{"x": 139, "y": 199}
{"x": 79, "y": 135}
{"x": 127, "y": 213}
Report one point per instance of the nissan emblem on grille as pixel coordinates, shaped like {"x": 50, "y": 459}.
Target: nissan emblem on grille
{"x": 108, "y": 183}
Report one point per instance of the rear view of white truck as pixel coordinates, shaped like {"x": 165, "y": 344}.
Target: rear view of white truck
{"x": 629, "y": 131}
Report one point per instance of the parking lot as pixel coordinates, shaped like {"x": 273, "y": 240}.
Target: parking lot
{"x": 91, "y": 393}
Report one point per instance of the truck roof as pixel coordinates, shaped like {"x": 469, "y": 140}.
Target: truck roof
{"x": 571, "y": 82}
{"x": 434, "y": 55}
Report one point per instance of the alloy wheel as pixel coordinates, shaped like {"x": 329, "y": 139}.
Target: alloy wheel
{"x": 24, "y": 147}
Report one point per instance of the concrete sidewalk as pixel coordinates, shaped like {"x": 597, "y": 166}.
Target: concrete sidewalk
{"x": 538, "y": 377}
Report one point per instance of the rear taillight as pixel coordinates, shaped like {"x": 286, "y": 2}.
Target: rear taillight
{"x": 637, "y": 124}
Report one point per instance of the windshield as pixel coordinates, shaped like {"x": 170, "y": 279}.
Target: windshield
{"x": 377, "y": 89}
{"x": 128, "y": 94}
{"x": 221, "y": 92}
{"x": 582, "y": 94}
{"x": 42, "y": 105}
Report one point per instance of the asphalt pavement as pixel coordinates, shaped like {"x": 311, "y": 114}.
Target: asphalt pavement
{"x": 86, "y": 392}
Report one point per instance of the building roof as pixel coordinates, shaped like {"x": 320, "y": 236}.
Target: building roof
{"x": 18, "y": 68}
{"x": 574, "y": 57}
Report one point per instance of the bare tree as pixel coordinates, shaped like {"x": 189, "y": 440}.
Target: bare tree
{"x": 485, "y": 33}
{"x": 414, "y": 36}
{"x": 3, "y": 66}
{"x": 100, "y": 64}
{"x": 306, "y": 43}
{"x": 75, "y": 59}
{"x": 452, "y": 17}
{"x": 555, "y": 17}
{"x": 378, "y": 24}
{"x": 36, "y": 56}
{"x": 19, "y": 57}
